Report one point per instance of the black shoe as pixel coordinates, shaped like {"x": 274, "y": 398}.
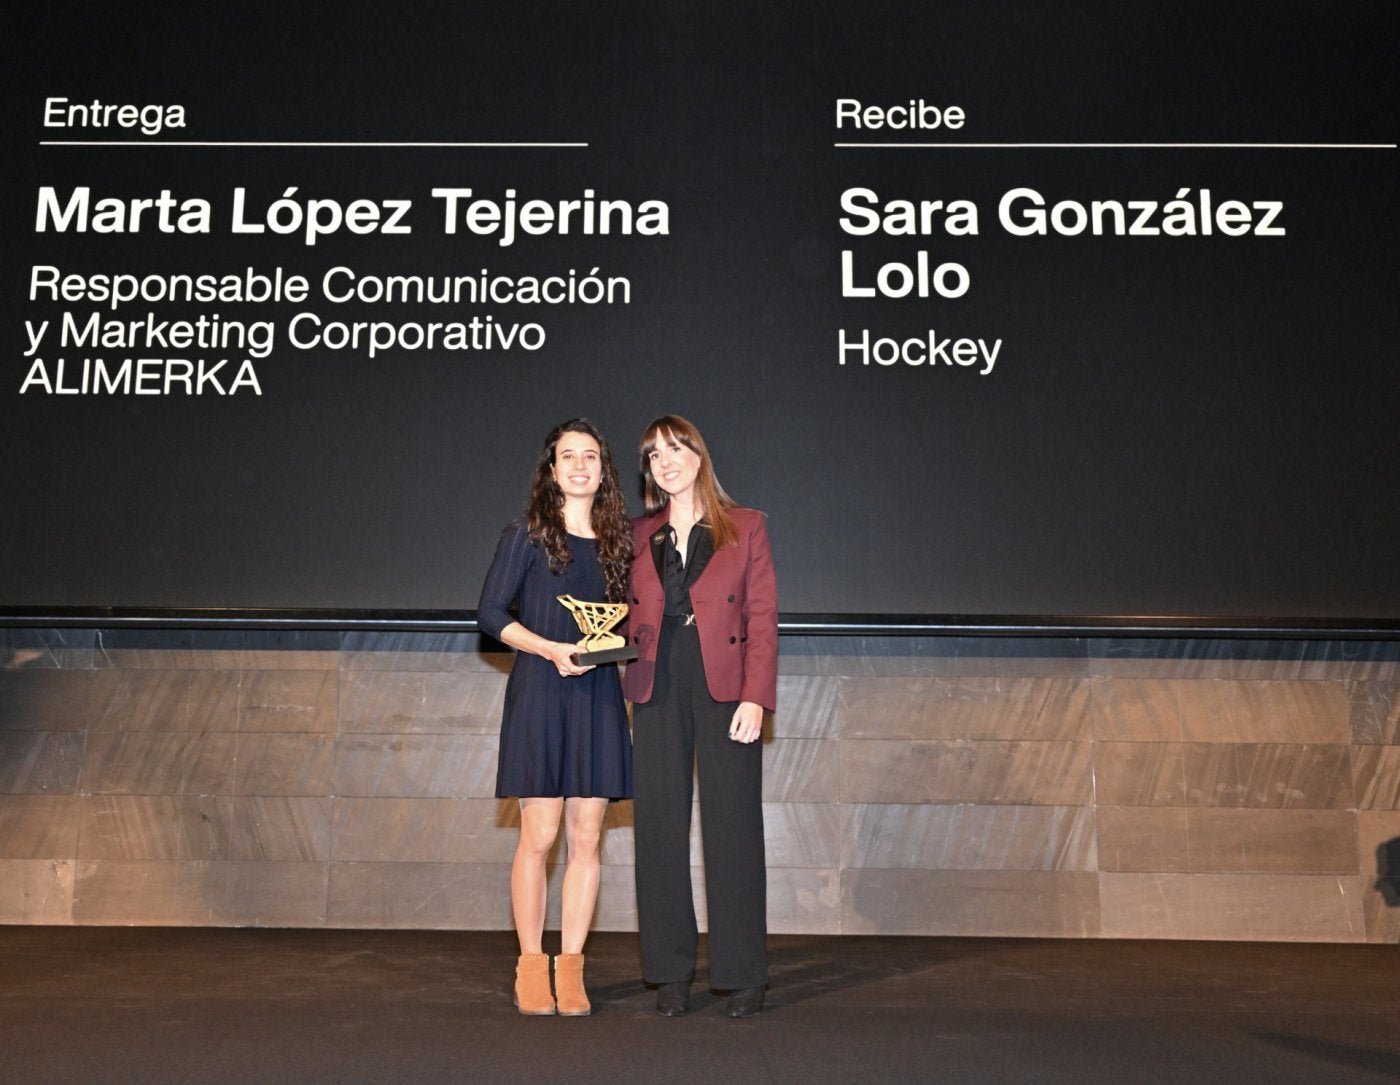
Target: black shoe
{"x": 745, "y": 1003}
{"x": 673, "y": 999}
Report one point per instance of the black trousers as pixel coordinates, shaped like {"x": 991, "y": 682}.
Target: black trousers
{"x": 679, "y": 728}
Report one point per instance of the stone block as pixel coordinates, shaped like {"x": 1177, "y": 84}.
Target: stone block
{"x": 1378, "y": 844}
{"x": 964, "y": 708}
{"x": 280, "y": 829}
{"x": 806, "y": 706}
{"x": 974, "y": 903}
{"x": 155, "y": 827}
{"x": 284, "y": 764}
{"x": 1283, "y": 711}
{"x": 421, "y": 702}
{"x": 38, "y": 826}
{"x": 44, "y": 700}
{"x": 1382, "y": 917}
{"x": 416, "y": 766}
{"x": 199, "y": 893}
{"x": 36, "y": 891}
{"x": 1377, "y": 777}
{"x": 945, "y": 773}
{"x": 464, "y": 896}
{"x": 969, "y": 837}
{"x": 1257, "y": 775}
{"x": 1193, "y": 840}
{"x": 1140, "y": 773}
{"x": 804, "y": 900}
{"x": 412, "y": 830}
{"x": 288, "y": 701}
{"x": 275, "y": 894}
{"x": 40, "y": 762}
{"x": 1219, "y": 710}
{"x": 160, "y": 763}
{"x": 1135, "y": 710}
{"x": 1373, "y": 711}
{"x": 801, "y": 770}
{"x": 1268, "y": 776}
{"x": 1143, "y": 838}
{"x": 801, "y": 835}
{"x": 1233, "y": 907}
{"x": 164, "y": 700}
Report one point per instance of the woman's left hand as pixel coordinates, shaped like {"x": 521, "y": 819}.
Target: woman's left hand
{"x": 747, "y": 723}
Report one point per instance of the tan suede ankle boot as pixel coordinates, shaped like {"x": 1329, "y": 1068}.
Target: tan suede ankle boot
{"x": 532, "y": 994}
{"x": 568, "y": 982}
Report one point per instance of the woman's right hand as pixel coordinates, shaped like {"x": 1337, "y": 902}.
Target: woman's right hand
{"x": 562, "y": 656}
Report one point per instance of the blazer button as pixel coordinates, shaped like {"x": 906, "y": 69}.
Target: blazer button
{"x": 636, "y": 639}
{"x": 731, "y": 598}
{"x": 733, "y": 640}
{"x": 636, "y": 602}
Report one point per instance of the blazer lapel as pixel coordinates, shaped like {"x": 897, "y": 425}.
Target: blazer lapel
{"x": 702, "y": 548}
{"x": 658, "y": 550}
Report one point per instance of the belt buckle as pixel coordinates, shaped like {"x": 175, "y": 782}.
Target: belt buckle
{"x": 690, "y": 619}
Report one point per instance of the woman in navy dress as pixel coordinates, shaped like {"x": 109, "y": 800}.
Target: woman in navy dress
{"x": 565, "y": 747}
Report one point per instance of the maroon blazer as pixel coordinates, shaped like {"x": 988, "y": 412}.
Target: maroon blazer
{"x": 736, "y": 612}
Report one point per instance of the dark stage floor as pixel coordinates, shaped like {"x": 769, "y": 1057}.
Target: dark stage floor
{"x": 148, "y": 1005}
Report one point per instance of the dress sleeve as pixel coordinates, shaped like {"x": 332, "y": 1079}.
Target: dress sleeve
{"x": 504, "y": 580}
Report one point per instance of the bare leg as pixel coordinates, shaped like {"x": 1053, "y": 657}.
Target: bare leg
{"x": 583, "y": 830}
{"x": 539, "y": 826}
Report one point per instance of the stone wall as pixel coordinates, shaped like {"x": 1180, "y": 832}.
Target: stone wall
{"x": 950, "y": 786}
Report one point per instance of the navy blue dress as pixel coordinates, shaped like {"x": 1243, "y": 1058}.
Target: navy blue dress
{"x": 559, "y": 736}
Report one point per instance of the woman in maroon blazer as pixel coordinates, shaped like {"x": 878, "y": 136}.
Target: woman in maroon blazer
{"x": 704, "y": 619}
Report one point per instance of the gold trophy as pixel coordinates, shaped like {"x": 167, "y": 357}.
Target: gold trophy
{"x": 594, "y": 620}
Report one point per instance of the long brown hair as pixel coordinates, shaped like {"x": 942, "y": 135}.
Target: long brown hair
{"x": 708, "y": 492}
{"x": 608, "y": 517}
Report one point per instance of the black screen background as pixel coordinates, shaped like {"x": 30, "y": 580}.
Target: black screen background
{"x": 1176, "y": 428}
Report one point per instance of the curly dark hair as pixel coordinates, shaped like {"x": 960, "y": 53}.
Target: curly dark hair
{"x": 545, "y": 516}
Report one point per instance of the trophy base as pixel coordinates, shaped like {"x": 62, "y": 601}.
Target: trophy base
{"x": 605, "y": 655}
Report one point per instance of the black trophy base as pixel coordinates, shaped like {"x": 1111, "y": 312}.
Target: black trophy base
{"x": 605, "y": 655}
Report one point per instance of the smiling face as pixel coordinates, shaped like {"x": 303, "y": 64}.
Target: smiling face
{"x": 578, "y": 465}
{"x": 674, "y": 466}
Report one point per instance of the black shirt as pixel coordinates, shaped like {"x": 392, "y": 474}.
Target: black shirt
{"x": 677, "y": 573}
